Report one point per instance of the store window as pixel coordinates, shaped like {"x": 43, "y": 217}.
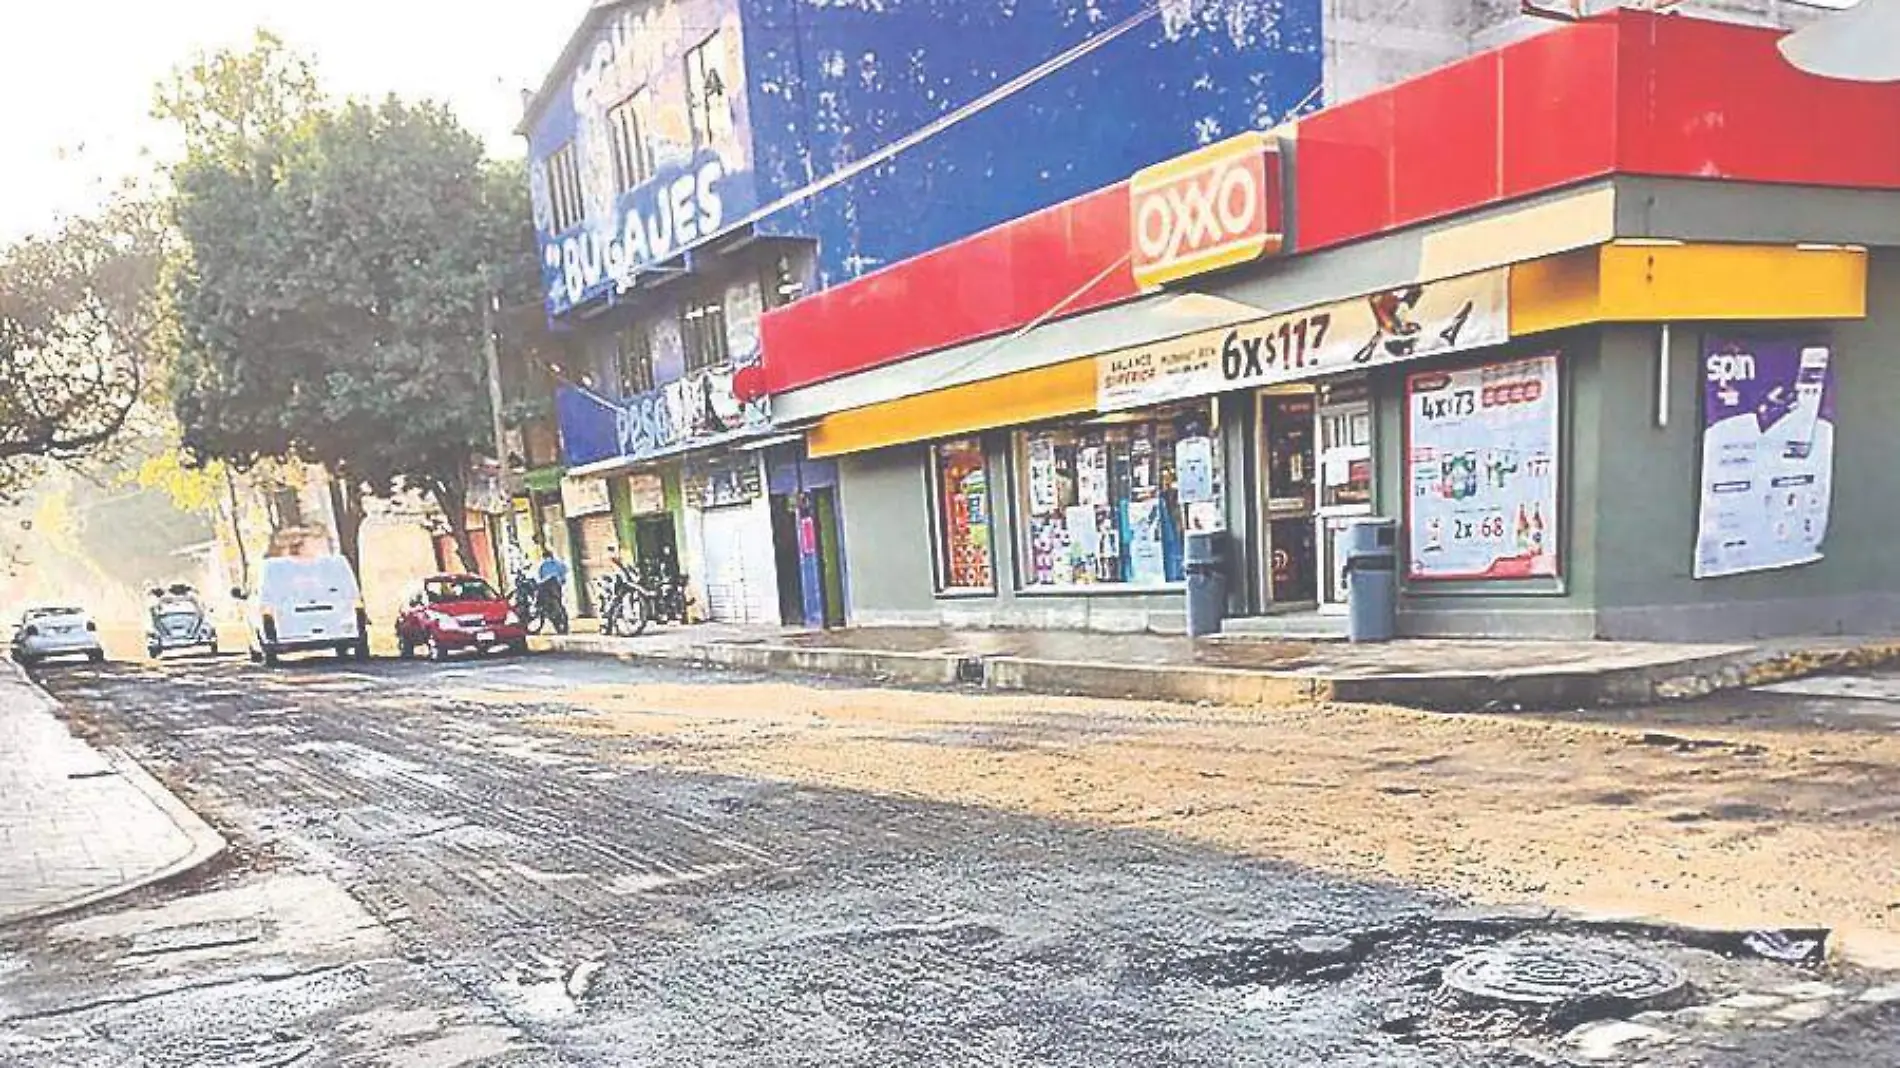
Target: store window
{"x": 1109, "y": 501}
{"x": 960, "y": 495}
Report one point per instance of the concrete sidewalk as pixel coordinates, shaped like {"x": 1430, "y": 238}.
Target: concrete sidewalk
{"x": 1461, "y": 674}
{"x": 78, "y": 825}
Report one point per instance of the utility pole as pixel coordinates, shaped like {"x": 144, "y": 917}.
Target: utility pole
{"x": 491, "y": 353}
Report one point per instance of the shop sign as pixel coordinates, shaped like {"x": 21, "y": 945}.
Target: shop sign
{"x": 1767, "y": 454}
{"x": 646, "y": 494}
{"x": 1481, "y": 471}
{"x": 584, "y": 496}
{"x": 702, "y": 408}
{"x": 1213, "y": 208}
{"x": 1407, "y": 323}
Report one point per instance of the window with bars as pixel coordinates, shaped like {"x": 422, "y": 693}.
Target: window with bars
{"x": 629, "y": 123}
{"x": 564, "y": 188}
{"x": 703, "y": 329}
{"x": 633, "y": 360}
{"x": 707, "y": 113}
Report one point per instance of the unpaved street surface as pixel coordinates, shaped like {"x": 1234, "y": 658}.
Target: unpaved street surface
{"x": 559, "y": 862}
{"x": 1714, "y": 819}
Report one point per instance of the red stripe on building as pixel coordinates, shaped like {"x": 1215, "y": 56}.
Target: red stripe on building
{"x": 1634, "y": 92}
{"x": 989, "y": 283}
{"x": 1709, "y": 100}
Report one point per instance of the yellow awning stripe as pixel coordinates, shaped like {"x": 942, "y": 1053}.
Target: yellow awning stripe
{"x": 1023, "y": 397}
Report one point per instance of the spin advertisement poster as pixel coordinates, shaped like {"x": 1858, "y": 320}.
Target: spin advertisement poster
{"x": 1481, "y": 471}
{"x": 1767, "y": 454}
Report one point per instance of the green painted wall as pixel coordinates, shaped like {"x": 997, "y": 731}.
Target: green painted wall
{"x": 1649, "y": 516}
{"x": 1631, "y": 497}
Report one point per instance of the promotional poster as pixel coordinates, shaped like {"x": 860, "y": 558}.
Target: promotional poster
{"x": 1767, "y": 454}
{"x": 1482, "y": 471}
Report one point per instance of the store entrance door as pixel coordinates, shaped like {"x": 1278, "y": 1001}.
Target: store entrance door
{"x": 1290, "y": 562}
{"x": 1344, "y": 430}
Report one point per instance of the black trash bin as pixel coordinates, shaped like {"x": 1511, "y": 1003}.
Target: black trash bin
{"x": 1206, "y": 565}
{"x": 1370, "y": 548}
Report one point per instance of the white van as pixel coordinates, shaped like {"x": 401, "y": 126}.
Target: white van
{"x": 306, "y": 603}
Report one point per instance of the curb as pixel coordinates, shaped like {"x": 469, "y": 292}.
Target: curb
{"x": 916, "y": 669}
{"x": 1557, "y": 689}
{"x": 205, "y": 843}
{"x": 1226, "y": 686}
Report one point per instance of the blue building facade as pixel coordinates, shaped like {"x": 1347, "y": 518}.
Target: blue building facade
{"x": 747, "y": 102}
{"x": 833, "y": 82}
{"x": 683, "y": 162}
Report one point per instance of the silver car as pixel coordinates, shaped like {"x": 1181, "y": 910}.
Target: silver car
{"x": 178, "y": 620}
{"x": 45, "y": 633}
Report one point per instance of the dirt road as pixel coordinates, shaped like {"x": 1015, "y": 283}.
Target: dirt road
{"x": 562, "y": 862}
{"x": 1760, "y": 822}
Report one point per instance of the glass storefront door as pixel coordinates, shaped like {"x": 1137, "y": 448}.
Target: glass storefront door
{"x": 1344, "y": 430}
{"x": 1290, "y": 562}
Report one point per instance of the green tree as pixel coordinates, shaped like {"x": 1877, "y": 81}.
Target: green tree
{"x": 332, "y": 305}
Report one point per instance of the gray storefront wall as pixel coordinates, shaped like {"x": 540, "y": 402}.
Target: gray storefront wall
{"x": 1630, "y": 481}
{"x": 1630, "y": 490}
{"x": 886, "y": 502}
{"x": 1646, "y": 524}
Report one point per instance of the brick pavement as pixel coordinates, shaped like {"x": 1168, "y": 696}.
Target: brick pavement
{"x": 78, "y": 825}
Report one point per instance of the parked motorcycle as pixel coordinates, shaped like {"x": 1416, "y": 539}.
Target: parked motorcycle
{"x": 624, "y": 604}
{"x": 666, "y": 592}
{"x": 538, "y": 603}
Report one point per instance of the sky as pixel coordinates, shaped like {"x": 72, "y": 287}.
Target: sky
{"x": 76, "y": 76}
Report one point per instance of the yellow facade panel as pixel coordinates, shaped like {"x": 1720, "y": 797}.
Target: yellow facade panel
{"x": 1028, "y": 396}
{"x": 1634, "y": 282}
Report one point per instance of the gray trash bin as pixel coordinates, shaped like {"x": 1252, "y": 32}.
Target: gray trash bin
{"x": 1206, "y": 566}
{"x": 1370, "y": 549}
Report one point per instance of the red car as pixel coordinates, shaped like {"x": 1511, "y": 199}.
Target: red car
{"x": 450, "y": 613}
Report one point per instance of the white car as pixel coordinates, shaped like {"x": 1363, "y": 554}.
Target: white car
{"x": 45, "y": 633}
{"x": 305, "y": 604}
{"x": 177, "y": 619}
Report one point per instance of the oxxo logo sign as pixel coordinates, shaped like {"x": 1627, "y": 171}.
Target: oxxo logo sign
{"x": 1209, "y": 209}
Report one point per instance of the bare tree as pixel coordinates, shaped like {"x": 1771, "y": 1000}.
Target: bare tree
{"x": 78, "y": 325}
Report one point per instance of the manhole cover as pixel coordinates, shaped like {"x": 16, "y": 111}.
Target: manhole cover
{"x": 1546, "y": 975}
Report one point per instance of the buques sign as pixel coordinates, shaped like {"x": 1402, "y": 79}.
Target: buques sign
{"x": 651, "y": 224}
{"x": 1209, "y": 209}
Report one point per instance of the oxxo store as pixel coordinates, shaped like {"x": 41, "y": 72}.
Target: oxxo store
{"x": 1608, "y": 385}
